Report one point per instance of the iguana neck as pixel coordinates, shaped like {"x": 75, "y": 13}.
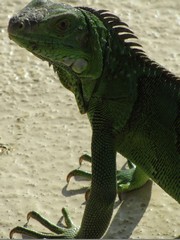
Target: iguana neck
{"x": 70, "y": 81}
{"x": 120, "y": 73}
{"x": 98, "y": 35}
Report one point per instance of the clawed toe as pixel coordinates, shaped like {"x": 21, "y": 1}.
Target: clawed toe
{"x": 69, "y": 231}
{"x": 85, "y": 157}
{"x": 80, "y": 173}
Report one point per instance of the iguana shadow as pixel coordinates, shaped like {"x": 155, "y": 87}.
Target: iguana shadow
{"x": 129, "y": 213}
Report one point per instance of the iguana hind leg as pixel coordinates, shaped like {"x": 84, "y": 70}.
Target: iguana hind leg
{"x": 130, "y": 179}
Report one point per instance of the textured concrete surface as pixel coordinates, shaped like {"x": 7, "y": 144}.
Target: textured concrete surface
{"x": 42, "y": 134}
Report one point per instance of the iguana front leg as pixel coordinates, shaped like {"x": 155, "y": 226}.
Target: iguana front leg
{"x": 99, "y": 207}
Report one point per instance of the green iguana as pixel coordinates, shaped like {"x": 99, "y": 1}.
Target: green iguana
{"x": 133, "y": 105}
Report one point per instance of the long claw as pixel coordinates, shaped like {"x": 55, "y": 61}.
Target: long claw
{"x": 85, "y": 157}
{"x": 28, "y": 232}
{"x": 78, "y": 172}
{"x": 120, "y": 197}
{"x": 87, "y": 194}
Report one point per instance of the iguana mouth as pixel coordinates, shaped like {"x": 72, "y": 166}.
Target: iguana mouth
{"x": 78, "y": 65}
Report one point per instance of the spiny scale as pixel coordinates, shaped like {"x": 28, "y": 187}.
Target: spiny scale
{"x": 127, "y": 36}
{"x": 119, "y": 27}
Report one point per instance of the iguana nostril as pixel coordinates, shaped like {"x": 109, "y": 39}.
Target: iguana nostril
{"x": 15, "y": 25}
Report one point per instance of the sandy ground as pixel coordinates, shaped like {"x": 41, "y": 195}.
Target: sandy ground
{"x": 42, "y": 133}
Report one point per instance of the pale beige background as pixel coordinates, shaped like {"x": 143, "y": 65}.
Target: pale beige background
{"x": 45, "y": 134}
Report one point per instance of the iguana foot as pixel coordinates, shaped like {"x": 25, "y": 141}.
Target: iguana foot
{"x": 130, "y": 179}
{"x": 82, "y": 173}
{"x": 78, "y": 172}
{"x": 127, "y": 179}
{"x": 70, "y": 231}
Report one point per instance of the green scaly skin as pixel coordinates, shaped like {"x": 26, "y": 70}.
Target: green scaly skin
{"x": 132, "y": 104}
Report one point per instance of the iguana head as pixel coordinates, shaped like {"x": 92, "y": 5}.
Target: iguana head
{"x": 64, "y": 36}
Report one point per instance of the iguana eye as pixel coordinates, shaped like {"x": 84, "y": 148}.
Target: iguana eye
{"x": 63, "y": 24}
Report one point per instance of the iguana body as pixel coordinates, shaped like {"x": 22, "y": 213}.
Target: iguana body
{"x": 132, "y": 103}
